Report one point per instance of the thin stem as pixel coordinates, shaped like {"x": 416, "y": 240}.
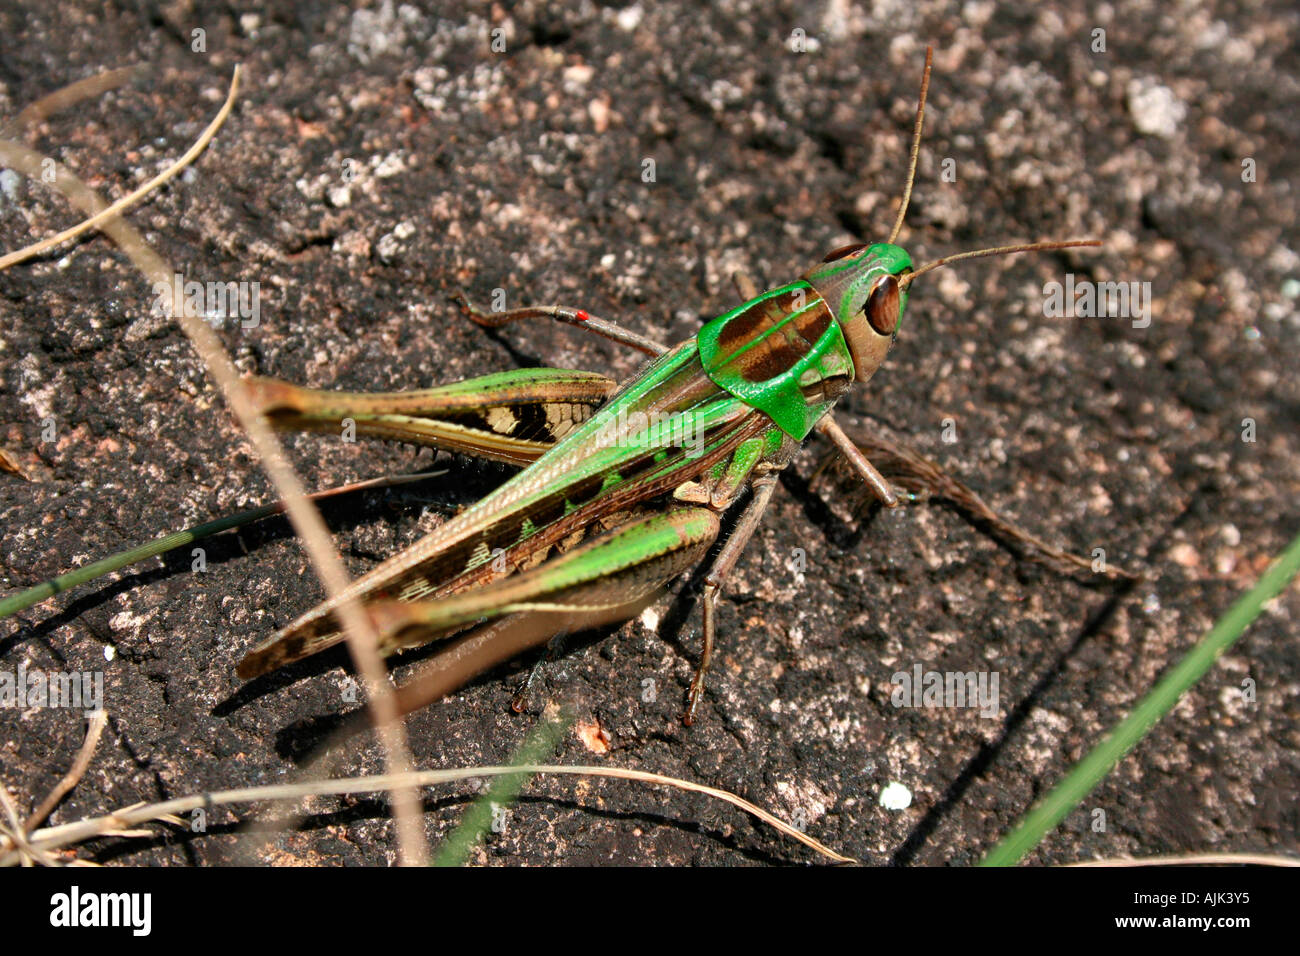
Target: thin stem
{"x": 70, "y": 779}
{"x": 306, "y": 520}
{"x": 58, "y": 836}
{"x": 135, "y": 196}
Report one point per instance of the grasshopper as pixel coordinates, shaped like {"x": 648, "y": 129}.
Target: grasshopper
{"x": 623, "y": 488}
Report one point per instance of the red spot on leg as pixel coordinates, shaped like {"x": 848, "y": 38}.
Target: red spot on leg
{"x": 581, "y": 315}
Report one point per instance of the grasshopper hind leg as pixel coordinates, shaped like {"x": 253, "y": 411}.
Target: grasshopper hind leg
{"x": 579, "y": 318}
{"x": 733, "y": 546}
{"x": 616, "y": 569}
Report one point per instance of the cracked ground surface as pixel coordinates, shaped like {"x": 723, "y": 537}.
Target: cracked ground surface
{"x": 380, "y": 158}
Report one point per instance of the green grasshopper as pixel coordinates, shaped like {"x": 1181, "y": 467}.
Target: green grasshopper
{"x": 623, "y": 489}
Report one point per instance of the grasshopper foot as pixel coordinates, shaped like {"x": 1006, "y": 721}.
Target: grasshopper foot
{"x": 693, "y": 698}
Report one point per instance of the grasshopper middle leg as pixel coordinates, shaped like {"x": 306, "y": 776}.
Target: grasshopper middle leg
{"x": 762, "y": 486}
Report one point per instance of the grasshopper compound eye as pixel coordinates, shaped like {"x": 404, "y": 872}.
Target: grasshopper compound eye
{"x": 883, "y": 306}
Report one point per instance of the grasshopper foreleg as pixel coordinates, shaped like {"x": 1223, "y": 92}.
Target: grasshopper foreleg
{"x": 876, "y": 482}
{"x": 921, "y": 478}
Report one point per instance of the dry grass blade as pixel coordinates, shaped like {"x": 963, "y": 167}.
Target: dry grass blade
{"x": 306, "y": 520}
{"x": 70, "y": 833}
{"x": 133, "y": 197}
{"x": 12, "y": 832}
{"x": 70, "y": 779}
{"x": 74, "y": 93}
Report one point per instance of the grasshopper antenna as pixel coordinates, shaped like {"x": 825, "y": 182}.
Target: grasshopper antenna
{"x": 916, "y": 146}
{"x": 906, "y": 280}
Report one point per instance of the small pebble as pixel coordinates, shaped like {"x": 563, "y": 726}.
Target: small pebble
{"x": 9, "y": 181}
{"x": 895, "y": 796}
{"x": 1155, "y": 109}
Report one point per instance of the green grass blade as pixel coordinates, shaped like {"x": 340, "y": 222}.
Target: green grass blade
{"x": 177, "y": 539}
{"x": 477, "y": 821}
{"x": 168, "y": 542}
{"x": 1088, "y": 772}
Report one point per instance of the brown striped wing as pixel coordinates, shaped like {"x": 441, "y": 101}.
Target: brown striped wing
{"x": 601, "y": 473}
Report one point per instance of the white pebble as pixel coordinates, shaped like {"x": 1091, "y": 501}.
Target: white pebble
{"x": 1156, "y": 110}
{"x": 895, "y": 796}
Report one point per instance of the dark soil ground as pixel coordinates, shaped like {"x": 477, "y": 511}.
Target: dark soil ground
{"x": 523, "y": 170}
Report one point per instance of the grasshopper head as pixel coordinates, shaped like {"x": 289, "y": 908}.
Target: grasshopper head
{"x": 865, "y": 286}
{"x": 861, "y": 286}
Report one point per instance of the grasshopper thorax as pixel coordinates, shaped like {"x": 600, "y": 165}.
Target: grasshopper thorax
{"x": 860, "y": 285}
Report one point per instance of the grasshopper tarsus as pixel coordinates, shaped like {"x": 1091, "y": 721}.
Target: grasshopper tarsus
{"x": 472, "y": 312}
{"x": 519, "y": 702}
{"x": 693, "y": 699}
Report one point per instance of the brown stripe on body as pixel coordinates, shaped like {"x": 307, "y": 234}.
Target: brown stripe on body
{"x": 772, "y": 335}
{"x": 687, "y": 389}
{"x": 643, "y": 479}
